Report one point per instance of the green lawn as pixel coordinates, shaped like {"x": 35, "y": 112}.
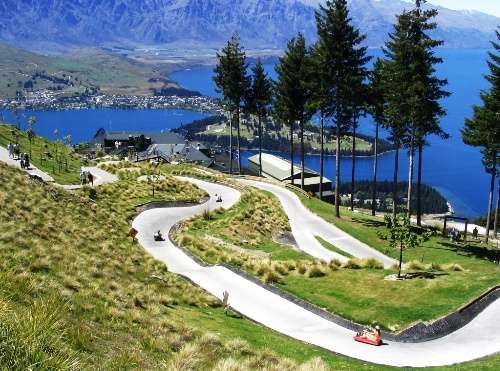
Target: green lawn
{"x": 361, "y": 295}
{"x": 65, "y": 171}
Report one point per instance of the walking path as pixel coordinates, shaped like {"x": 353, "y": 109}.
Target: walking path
{"x": 100, "y": 176}
{"x": 477, "y": 339}
{"x": 306, "y": 225}
{"x": 4, "y": 157}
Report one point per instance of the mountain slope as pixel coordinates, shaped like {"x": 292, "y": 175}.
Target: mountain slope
{"x": 261, "y": 23}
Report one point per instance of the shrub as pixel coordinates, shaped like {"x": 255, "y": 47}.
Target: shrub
{"x": 315, "y": 271}
{"x": 372, "y": 263}
{"x": 353, "y": 264}
{"x": 280, "y": 269}
{"x": 301, "y": 268}
{"x": 272, "y": 277}
{"x": 415, "y": 265}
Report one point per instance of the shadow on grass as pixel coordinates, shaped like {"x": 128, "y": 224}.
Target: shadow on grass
{"x": 368, "y": 222}
{"x": 470, "y": 250}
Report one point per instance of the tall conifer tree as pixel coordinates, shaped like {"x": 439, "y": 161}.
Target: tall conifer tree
{"x": 232, "y": 81}
{"x": 397, "y": 90}
{"x": 427, "y": 91}
{"x": 483, "y": 129}
{"x": 376, "y": 105}
{"x": 293, "y": 92}
{"x": 259, "y": 100}
{"x": 345, "y": 60}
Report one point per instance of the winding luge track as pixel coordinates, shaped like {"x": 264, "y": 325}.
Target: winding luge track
{"x": 306, "y": 225}
{"x": 477, "y": 339}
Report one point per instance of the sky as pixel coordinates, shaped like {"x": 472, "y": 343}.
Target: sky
{"x": 486, "y": 6}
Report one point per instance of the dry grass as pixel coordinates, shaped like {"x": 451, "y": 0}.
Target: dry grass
{"x": 122, "y": 309}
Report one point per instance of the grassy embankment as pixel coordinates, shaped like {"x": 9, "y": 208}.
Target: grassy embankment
{"x": 65, "y": 171}
{"x": 77, "y": 293}
{"x": 361, "y": 295}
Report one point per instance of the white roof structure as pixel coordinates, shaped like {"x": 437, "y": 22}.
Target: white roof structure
{"x": 278, "y": 168}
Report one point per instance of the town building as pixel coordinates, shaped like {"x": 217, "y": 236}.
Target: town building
{"x": 144, "y": 146}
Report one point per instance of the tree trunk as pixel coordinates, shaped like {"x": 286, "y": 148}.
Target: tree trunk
{"x": 495, "y": 225}
{"x": 395, "y": 183}
{"x": 337, "y": 172}
{"x": 375, "y": 169}
{"x": 260, "y": 145}
{"x": 400, "y": 259}
{"x": 419, "y": 184}
{"x": 238, "y": 140}
{"x": 410, "y": 173}
{"x": 291, "y": 152}
{"x": 321, "y": 155}
{"x": 490, "y": 205}
{"x": 353, "y": 157}
{"x": 302, "y": 153}
{"x": 231, "y": 144}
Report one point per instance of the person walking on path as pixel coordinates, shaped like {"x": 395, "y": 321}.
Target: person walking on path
{"x": 475, "y": 233}
{"x": 225, "y": 301}
{"x": 10, "y": 148}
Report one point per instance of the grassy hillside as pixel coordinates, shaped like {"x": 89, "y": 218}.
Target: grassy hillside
{"x": 55, "y": 158}
{"x": 77, "y": 72}
{"x": 76, "y": 293}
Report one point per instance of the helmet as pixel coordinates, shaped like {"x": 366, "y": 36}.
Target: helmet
{"x": 377, "y": 327}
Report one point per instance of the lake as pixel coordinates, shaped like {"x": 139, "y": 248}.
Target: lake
{"x": 83, "y": 124}
{"x": 450, "y": 166}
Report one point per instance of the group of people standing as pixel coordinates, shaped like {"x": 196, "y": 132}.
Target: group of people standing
{"x": 15, "y": 153}
{"x": 86, "y": 177}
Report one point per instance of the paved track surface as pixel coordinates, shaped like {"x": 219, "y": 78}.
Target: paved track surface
{"x": 477, "y": 339}
{"x": 100, "y": 176}
{"x": 306, "y": 225}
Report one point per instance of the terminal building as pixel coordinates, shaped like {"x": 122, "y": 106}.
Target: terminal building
{"x": 277, "y": 168}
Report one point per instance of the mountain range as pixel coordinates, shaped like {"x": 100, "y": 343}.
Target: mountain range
{"x": 58, "y": 24}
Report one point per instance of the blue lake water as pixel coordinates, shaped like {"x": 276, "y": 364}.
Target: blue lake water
{"x": 450, "y": 166}
{"x": 83, "y": 124}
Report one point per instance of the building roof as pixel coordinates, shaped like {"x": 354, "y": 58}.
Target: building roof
{"x": 311, "y": 181}
{"x": 277, "y": 167}
{"x": 184, "y": 152}
{"x": 166, "y": 137}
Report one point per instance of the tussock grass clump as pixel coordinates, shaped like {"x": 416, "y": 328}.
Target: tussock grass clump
{"x": 415, "y": 265}
{"x": 315, "y": 271}
{"x": 353, "y": 264}
{"x": 436, "y": 267}
{"x": 272, "y": 277}
{"x": 372, "y": 263}
{"x": 454, "y": 267}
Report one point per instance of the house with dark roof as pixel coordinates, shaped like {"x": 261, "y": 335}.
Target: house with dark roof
{"x": 110, "y": 140}
{"x": 144, "y": 146}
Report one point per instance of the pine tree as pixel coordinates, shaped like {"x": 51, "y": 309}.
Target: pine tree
{"x": 319, "y": 102}
{"x": 377, "y": 108}
{"x": 427, "y": 91}
{"x": 397, "y": 88}
{"x": 483, "y": 129}
{"x": 345, "y": 60}
{"x": 232, "y": 81}
{"x": 259, "y": 100}
{"x": 293, "y": 94}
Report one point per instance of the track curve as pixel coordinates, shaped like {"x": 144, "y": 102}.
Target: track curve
{"x": 477, "y": 339}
